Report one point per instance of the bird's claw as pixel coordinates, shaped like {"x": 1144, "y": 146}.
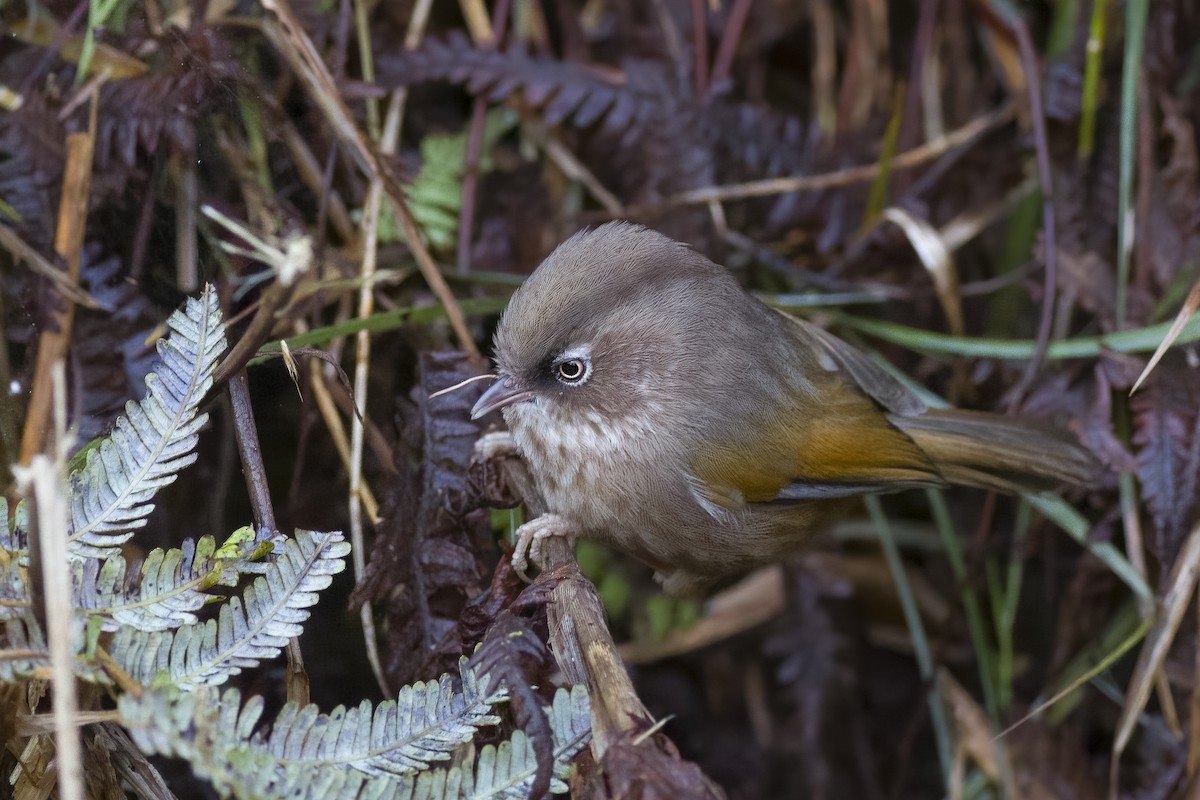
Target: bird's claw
{"x": 532, "y": 534}
{"x": 497, "y": 444}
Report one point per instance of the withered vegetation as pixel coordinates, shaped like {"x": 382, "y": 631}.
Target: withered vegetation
{"x": 1001, "y": 200}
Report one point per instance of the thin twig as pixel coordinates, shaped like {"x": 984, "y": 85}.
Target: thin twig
{"x": 1020, "y": 31}
{"x": 256, "y": 332}
{"x": 68, "y": 243}
{"x": 823, "y": 74}
{"x": 362, "y": 363}
{"x": 574, "y": 169}
{"x": 582, "y": 644}
{"x": 289, "y": 37}
{"x": 252, "y": 464}
{"x": 362, "y": 353}
{"x": 470, "y": 181}
{"x": 700, "y": 46}
{"x": 68, "y": 29}
{"x": 366, "y": 61}
{"x": 187, "y": 268}
{"x": 317, "y": 181}
{"x": 22, "y": 251}
{"x": 730, "y": 38}
{"x": 671, "y": 37}
{"x": 255, "y": 472}
{"x": 910, "y": 126}
{"x": 44, "y": 481}
{"x": 337, "y": 432}
{"x": 844, "y": 177}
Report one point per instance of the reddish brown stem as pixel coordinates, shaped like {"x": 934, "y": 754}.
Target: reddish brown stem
{"x": 700, "y": 45}
{"x": 729, "y": 41}
{"x": 466, "y": 220}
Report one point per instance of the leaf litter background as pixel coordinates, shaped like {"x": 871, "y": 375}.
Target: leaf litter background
{"x": 908, "y": 157}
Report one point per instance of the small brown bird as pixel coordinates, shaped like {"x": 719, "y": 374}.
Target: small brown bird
{"x": 668, "y": 413}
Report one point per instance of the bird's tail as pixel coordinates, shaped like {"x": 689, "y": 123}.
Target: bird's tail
{"x": 988, "y": 451}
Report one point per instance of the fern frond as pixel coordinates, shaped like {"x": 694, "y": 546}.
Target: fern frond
{"x": 168, "y": 586}
{"x": 561, "y": 90}
{"x": 507, "y": 770}
{"x": 215, "y": 733}
{"x": 14, "y": 592}
{"x": 424, "y": 724}
{"x": 435, "y": 194}
{"x": 247, "y": 630}
{"x": 570, "y": 717}
{"x": 111, "y": 493}
{"x": 211, "y": 730}
{"x": 13, "y": 537}
{"x": 22, "y": 647}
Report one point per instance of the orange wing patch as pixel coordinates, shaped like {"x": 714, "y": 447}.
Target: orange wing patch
{"x": 849, "y": 442}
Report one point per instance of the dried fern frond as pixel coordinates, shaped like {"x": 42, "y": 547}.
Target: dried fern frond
{"x": 561, "y": 90}
{"x": 166, "y": 589}
{"x": 216, "y": 735}
{"x": 248, "y": 629}
{"x": 111, "y": 493}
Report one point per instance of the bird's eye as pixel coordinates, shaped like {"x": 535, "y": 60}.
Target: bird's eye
{"x": 572, "y": 370}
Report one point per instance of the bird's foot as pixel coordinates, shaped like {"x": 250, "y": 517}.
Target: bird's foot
{"x": 532, "y": 534}
{"x": 497, "y": 444}
{"x": 681, "y": 583}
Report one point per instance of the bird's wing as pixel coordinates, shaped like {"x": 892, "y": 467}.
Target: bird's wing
{"x": 876, "y": 383}
{"x": 842, "y": 445}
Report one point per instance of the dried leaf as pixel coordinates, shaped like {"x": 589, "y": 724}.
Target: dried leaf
{"x": 1167, "y": 437}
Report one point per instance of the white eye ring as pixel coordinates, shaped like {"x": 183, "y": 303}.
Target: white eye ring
{"x": 571, "y": 371}
{"x": 573, "y": 367}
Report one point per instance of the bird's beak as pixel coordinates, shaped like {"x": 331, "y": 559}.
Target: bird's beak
{"x": 501, "y": 394}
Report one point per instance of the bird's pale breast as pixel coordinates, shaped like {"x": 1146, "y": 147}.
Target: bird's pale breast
{"x": 626, "y": 486}
{"x": 582, "y": 461}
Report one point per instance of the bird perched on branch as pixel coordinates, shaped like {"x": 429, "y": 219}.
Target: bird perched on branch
{"x": 665, "y": 411}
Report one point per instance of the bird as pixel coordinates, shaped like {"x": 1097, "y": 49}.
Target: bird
{"x": 666, "y": 412}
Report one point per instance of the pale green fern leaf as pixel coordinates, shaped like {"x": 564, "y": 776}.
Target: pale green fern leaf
{"x": 22, "y": 644}
{"x": 22, "y": 647}
{"x": 12, "y": 537}
{"x": 247, "y": 629}
{"x": 215, "y": 734}
{"x": 507, "y": 770}
{"x": 169, "y": 586}
{"x": 435, "y": 194}
{"x": 111, "y": 493}
{"x": 426, "y": 723}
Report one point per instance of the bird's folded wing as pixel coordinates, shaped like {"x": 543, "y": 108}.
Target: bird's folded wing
{"x": 874, "y": 381}
{"x": 842, "y": 446}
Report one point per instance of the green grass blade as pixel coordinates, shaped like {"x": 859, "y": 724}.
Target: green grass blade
{"x": 1139, "y": 340}
{"x": 1135, "y": 40}
{"x": 916, "y": 630}
{"x": 1076, "y": 526}
{"x": 377, "y": 323}
{"x": 976, "y": 629}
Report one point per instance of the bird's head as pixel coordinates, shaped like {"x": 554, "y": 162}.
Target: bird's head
{"x": 600, "y": 329}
